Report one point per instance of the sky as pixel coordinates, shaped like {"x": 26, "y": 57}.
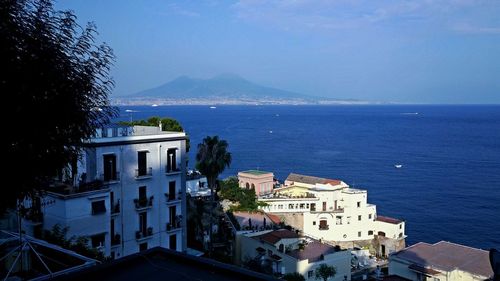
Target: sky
{"x": 414, "y": 51}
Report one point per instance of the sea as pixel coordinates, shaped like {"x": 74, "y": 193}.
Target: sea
{"x": 448, "y": 184}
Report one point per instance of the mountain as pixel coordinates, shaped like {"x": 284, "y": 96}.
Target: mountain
{"x": 225, "y": 86}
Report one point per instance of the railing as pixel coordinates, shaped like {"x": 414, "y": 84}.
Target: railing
{"x": 171, "y": 197}
{"x": 169, "y": 170}
{"x": 323, "y": 227}
{"x": 110, "y": 178}
{"x": 139, "y": 234}
{"x": 115, "y": 208}
{"x": 141, "y": 203}
{"x": 177, "y": 223}
{"x": 140, "y": 173}
{"x": 116, "y": 239}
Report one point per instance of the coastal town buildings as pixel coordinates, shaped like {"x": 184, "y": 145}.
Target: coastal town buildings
{"x": 261, "y": 181}
{"x": 125, "y": 194}
{"x": 443, "y": 261}
{"x": 333, "y": 211}
{"x": 283, "y": 251}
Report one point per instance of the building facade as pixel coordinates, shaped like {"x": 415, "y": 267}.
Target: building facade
{"x": 126, "y": 193}
{"x": 442, "y": 261}
{"x": 283, "y": 251}
{"x": 331, "y": 210}
{"x": 262, "y": 182}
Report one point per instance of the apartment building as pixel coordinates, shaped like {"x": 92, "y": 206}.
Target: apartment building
{"x": 333, "y": 211}
{"x": 126, "y": 193}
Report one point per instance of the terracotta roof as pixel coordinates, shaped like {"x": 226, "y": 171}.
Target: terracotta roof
{"x": 311, "y": 180}
{"x": 388, "y": 220}
{"x": 312, "y": 251}
{"x": 274, "y": 236}
{"x": 274, "y": 218}
{"x": 448, "y": 256}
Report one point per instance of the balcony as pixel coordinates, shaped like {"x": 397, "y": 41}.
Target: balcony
{"x": 143, "y": 203}
{"x": 143, "y": 235}
{"x": 176, "y": 224}
{"x": 115, "y": 208}
{"x": 112, "y": 178}
{"x": 143, "y": 173}
{"x": 67, "y": 190}
{"x": 324, "y": 227}
{"x": 170, "y": 171}
{"x": 172, "y": 198}
{"x": 116, "y": 240}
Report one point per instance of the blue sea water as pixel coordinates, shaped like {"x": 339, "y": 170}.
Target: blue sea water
{"x": 447, "y": 189}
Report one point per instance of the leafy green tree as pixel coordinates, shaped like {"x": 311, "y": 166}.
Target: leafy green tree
{"x": 295, "y": 276}
{"x": 325, "y": 271}
{"x": 53, "y": 74}
{"x": 167, "y": 124}
{"x": 211, "y": 160}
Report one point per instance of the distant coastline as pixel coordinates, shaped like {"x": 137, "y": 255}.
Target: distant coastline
{"x": 127, "y": 101}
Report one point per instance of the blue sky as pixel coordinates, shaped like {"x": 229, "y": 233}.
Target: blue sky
{"x": 425, "y": 51}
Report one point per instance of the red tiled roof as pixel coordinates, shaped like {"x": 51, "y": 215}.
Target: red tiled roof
{"x": 388, "y": 220}
{"x": 274, "y": 218}
{"x": 312, "y": 251}
{"x": 448, "y": 256}
{"x": 274, "y": 236}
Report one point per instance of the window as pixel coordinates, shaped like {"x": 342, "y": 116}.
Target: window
{"x": 143, "y": 222}
{"x": 400, "y": 235}
{"x": 359, "y": 217}
{"x": 314, "y": 222}
{"x": 324, "y": 206}
{"x": 171, "y": 160}
{"x": 269, "y": 252}
{"x": 97, "y": 240}
{"x": 171, "y": 190}
{"x": 98, "y": 207}
{"x": 370, "y": 232}
{"x": 253, "y": 186}
{"x": 247, "y": 185}
{"x": 109, "y": 167}
{"x": 172, "y": 242}
{"x": 323, "y": 225}
{"x": 143, "y": 246}
{"x": 290, "y": 206}
{"x": 142, "y": 193}
{"x": 369, "y": 216}
{"x": 172, "y": 215}
{"x": 359, "y": 204}
{"x": 310, "y": 274}
{"x": 359, "y": 233}
{"x": 400, "y": 226}
{"x": 142, "y": 169}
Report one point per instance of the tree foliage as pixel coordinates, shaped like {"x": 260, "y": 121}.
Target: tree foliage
{"x": 295, "y": 276}
{"x": 212, "y": 158}
{"x": 167, "y": 124}
{"x": 230, "y": 190}
{"x": 55, "y": 76}
{"x": 325, "y": 271}
{"x": 80, "y": 245}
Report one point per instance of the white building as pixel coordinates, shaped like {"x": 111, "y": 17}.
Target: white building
{"x": 127, "y": 194}
{"x": 331, "y": 210}
{"x": 283, "y": 251}
{"x": 443, "y": 261}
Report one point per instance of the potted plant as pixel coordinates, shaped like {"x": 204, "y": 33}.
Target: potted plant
{"x": 150, "y": 231}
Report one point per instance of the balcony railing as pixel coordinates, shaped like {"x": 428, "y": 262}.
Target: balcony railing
{"x": 141, "y": 203}
{"x": 146, "y": 173}
{"x": 115, "y": 208}
{"x": 175, "y": 224}
{"x": 169, "y": 170}
{"x": 173, "y": 197}
{"x": 116, "y": 240}
{"x": 139, "y": 234}
{"x": 110, "y": 178}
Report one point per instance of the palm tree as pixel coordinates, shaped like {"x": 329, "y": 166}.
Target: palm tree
{"x": 325, "y": 271}
{"x": 211, "y": 160}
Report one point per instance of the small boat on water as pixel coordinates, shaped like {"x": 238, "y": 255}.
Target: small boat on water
{"x": 154, "y": 105}
{"x": 398, "y": 166}
{"x": 213, "y": 107}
